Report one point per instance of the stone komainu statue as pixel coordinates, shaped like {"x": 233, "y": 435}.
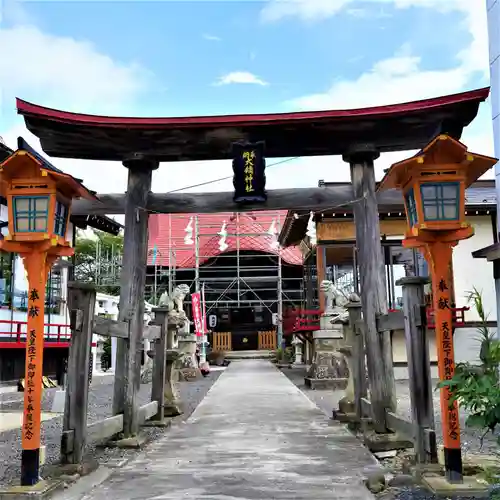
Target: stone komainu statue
{"x": 336, "y": 301}
{"x": 176, "y": 301}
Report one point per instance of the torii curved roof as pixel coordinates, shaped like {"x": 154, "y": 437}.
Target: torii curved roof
{"x": 252, "y": 228}
{"x": 395, "y": 127}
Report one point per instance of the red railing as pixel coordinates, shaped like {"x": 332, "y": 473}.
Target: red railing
{"x": 301, "y": 321}
{"x": 13, "y": 334}
{"x": 458, "y": 316}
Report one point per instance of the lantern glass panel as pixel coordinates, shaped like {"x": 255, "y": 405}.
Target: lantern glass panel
{"x": 411, "y": 207}
{"x": 441, "y": 201}
{"x": 31, "y": 214}
{"x": 60, "y": 219}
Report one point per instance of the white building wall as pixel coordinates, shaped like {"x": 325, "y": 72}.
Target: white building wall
{"x": 472, "y": 273}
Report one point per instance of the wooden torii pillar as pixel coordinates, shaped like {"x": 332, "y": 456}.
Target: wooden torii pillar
{"x": 372, "y": 282}
{"x": 132, "y": 282}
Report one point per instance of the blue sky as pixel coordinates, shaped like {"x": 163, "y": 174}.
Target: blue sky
{"x": 166, "y": 58}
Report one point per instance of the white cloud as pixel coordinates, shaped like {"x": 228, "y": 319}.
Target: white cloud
{"x": 402, "y": 77}
{"x": 64, "y": 72}
{"x": 309, "y": 10}
{"x": 240, "y": 77}
{"x": 393, "y": 80}
{"x": 474, "y": 57}
{"x": 212, "y": 38}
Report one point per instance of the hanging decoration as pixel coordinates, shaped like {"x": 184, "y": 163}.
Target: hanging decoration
{"x": 311, "y": 229}
{"x": 188, "y": 239}
{"x": 273, "y": 232}
{"x": 223, "y": 246}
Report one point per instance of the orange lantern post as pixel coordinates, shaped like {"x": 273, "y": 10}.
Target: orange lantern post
{"x": 433, "y": 184}
{"x": 39, "y": 200}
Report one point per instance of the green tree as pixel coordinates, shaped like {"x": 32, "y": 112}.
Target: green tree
{"x": 98, "y": 260}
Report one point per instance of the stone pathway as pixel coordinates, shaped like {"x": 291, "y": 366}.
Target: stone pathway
{"x": 254, "y": 436}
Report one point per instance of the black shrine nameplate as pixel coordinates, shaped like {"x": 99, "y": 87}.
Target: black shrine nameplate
{"x": 249, "y": 167}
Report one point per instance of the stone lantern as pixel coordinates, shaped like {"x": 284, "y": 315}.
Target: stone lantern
{"x": 39, "y": 198}
{"x": 433, "y": 183}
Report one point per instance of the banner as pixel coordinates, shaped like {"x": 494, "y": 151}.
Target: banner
{"x": 197, "y": 314}
{"x": 203, "y": 312}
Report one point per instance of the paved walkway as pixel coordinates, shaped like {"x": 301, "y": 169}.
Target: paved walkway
{"x": 254, "y": 436}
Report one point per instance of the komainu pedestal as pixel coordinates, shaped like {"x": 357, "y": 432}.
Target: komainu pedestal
{"x": 329, "y": 368}
{"x": 188, "y": 367}
{"x": 171, "y": 396}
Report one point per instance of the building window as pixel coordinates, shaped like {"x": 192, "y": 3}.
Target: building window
{"x": 440, "y": 201}
{"x": 411, "y": 207}
{"x": 31, "y": 214}
{"x": 6, "y": 278}
{"x": 53, "y": 295}
{"x": 60, "y": 218}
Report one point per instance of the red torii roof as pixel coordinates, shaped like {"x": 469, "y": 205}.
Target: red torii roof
{"x": 256, "y": 223}
{"x": 396, "y": 127}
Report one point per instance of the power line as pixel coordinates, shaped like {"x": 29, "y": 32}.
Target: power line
{"x": 227, "y": 177}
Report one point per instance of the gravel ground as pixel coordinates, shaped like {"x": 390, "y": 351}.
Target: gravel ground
{"x": 327, "y": 400}
{"x": 421, "y": 494}
{"x": 100, "y": 407}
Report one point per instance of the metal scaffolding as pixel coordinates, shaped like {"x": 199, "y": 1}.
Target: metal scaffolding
{"x": 252, "y": 272}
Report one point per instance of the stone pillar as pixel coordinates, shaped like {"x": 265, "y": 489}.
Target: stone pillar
{"x": 171, "y": 396}
{"x": 298, "y": 350}
{"x": 321, "y": 273}
{"x": 114, "y": 342}
{"x": 187, "y": 348}
{"x": 372, "y": 281}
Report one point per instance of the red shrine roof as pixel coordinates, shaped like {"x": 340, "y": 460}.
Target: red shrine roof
{"x": 395, "y": 127}
{"x": 252, "y": 227}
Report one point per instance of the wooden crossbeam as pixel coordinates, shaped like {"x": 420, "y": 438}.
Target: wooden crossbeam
{"x": 279, "y": 199}
{"x": 110, "y": 328}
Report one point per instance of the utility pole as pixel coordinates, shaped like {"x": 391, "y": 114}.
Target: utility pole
{"x": 196, "y": 256}
{"x": 280, "y": 292}
{"x": 493, "y": 14}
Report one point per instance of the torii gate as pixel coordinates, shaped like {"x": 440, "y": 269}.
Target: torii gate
{"x": 359, "y": 135}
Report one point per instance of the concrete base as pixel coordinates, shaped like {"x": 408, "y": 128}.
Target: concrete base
{"x": 346, "y": 406}
{"x": 43, "y": 489}
{"x": 284, "y": 365}
{"x": 136, "y": 442}
{"x": 385, "y": 442}
{"x": 189, "y": 374}
{"x": 471, "y": 487}
{"x": 172, "y": 410}
{"x": 326, "y": 383}
{"x": 157, "y": 423}
{"x": 345, "y": 418}
{"x": 420, "y": 470}
{"x": 249, "y": 354}
{"x": 59, "y": 401}
{"x": 62, "y": 471}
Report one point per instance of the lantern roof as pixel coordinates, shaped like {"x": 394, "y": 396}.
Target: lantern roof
{"x": 443, "y": 151}
{"x": 10, "y": 167}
